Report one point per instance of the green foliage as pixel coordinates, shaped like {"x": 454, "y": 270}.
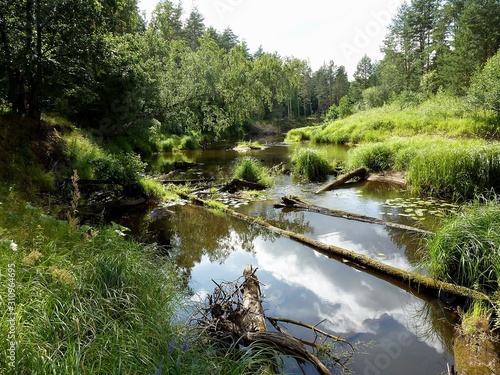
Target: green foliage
{"x": 300, "y": 134}
{"x": 189, "y": 142}
{"x": 376, "y": 157}
{"x": 87, "y": 300}
{"x": 485, "y": 88}
{"x": 119, "y": 168}
{"x": 345, "y": 107}
{"x": 465, "y": 249}
{"x": 332, "y": 114}
{"x": 310, "y": 165}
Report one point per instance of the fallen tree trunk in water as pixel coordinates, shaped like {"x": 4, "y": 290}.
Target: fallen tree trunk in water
{"x": 235, "y": 315}
{"x": 342, "y": 180}
{"x": 300, "y": 204}
{"x": 237, "y": 185}
{"x": 417, "y": 282}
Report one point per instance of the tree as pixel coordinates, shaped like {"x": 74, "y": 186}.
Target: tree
{"x": 341, "y": 84}
{"x": 485, "y": 88}
{"x": 228, "y": 39}
{"x": 46, "y": 47}
{"x": 364, "y": 74}
{"x": 194, "y": 29}
{"x": 166, "y": 20}
{"x": 474, "y": 34}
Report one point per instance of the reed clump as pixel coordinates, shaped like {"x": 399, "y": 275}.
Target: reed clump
{"x": 310, "y": 165}
{"x": 251, "y": 169}
{"x": 465, "y": 250}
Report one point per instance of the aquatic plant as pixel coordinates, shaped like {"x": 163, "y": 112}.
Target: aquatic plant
{"x": 250, "y": 169}
{"x": 309, "y": 164}
{"x": 465, "y": 250}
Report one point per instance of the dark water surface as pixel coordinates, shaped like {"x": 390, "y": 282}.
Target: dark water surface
{"x": 398, "y": 332}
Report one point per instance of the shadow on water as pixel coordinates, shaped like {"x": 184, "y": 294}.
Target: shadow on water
{"x": 398, "y": 331}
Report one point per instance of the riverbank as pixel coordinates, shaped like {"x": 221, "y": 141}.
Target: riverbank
{"x": 444, "y": 149}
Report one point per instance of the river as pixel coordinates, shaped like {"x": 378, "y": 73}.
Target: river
{"x": 394, "y": 331}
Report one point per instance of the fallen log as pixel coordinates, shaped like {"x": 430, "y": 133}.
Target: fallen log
{"x": 235, "y": 314}
{"x": 300, "y": 204}
{"x": 237, "y": 185}
{"x": 188, "y": 181}
{"x": 342, "y": 180}
{"x": 415, "y": 282}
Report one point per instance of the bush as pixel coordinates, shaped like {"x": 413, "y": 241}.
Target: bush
{"x": 310, "y": 165}
{"x": 125, "y": 169}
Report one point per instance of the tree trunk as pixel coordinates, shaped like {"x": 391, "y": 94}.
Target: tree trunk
{"x": 408, "y": 280}
{"x": 341, "y": 180}
{"x": 298, "y": 203}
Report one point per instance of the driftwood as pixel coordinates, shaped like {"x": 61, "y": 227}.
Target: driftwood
{"x": 300, "y": 204}
{"x": 234, "y": 315}
{"x": 189, "y": 181}
{"x": 415, "y": 282}
{"x": 342, "y": 180}
{"x": 237, "y": 185}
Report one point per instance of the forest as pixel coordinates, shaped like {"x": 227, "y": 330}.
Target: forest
{"x": 102, "y": 66}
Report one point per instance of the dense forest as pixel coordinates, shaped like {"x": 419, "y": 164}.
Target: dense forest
{"x": 103, "y": 66}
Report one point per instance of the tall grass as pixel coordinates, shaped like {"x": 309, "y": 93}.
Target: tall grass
{"x": 465, "y": 250}
{"x": 91, "y": 301}
{"x": 435, "y": 165}
{"x": 310, "y": 165}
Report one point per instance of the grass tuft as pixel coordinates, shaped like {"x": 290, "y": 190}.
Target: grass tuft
{"x": 250, "y": 169}
{"x": 310, "y": 165}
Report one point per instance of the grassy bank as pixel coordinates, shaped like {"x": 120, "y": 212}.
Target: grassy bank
{"x": 439, "y": 115}
{"x": 444, "y": 149}
{"x": 85, "y": 300}
{"x": 435, "y": 165}
{"x": 82, "y": 300}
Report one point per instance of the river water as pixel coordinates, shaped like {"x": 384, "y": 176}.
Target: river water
{"x": 395, "y": 332}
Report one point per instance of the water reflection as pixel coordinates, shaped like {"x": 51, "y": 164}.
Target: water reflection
{"x": 404, "y": 334}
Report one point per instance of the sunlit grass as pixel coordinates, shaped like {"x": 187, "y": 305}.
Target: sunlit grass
{"x": 87, "y": 300}
{"x": 435, "y": 165}
{"x": 439, "y": 115}
{"x": 250, "y": 169}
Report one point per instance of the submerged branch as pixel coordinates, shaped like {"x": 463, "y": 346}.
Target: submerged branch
{"x": 234, "y": 315}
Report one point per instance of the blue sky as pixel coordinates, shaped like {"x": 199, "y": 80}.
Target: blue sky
{"x": 313, "y": 30}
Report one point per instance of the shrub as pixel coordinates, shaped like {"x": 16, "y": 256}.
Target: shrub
{"x": 310, "y": 165}
{"x": 121, "y": 168}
